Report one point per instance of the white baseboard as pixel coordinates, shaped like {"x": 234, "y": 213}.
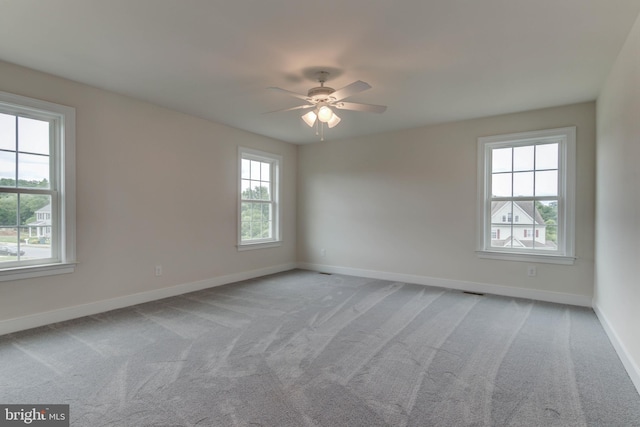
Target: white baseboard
{"x": 68, "y": 313}
{"x": 484, "y": 288}
{"x": 629, "y": 364}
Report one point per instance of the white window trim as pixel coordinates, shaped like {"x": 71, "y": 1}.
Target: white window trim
{"x": 566, "y": 196}
{"x": 66, "y": 142}
{"x": 244, "y": 152}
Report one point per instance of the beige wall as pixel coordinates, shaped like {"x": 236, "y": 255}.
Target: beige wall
{"x": 153, "y": 186}
{"x": 405, "y": 202}
{"x": 617, "y": 281}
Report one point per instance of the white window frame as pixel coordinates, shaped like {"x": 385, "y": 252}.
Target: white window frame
{"x": 565, "y": 253}
{"x": 276, "y": 172}
{"x": 63, "y": 185}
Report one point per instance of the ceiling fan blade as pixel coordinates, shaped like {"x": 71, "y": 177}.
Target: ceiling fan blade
{"x": 299, "y": 107}
{"x": 288, "y": 92}
{"x": 349, "y": 90}
{"x": 356, "y": 106}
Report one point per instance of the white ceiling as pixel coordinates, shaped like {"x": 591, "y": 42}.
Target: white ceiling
{"x": 429, "y": 61}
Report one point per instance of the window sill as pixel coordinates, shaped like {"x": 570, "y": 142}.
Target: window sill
{"x": 263, "y": 245}
{"x": 29, "y": 272}
{"x": 510, "y": 256}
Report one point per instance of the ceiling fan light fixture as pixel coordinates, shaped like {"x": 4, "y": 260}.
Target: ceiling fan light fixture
{"x": 310, "y": 118}
{"x": 334, "y": 120}
{"x": 325, "y": 114}
{"x": 321, "y": 101}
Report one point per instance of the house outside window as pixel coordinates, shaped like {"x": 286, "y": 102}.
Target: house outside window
{"x": 37, "y": 188}
{"x": 259, "y": 205}
{"x": 529, "y": 177}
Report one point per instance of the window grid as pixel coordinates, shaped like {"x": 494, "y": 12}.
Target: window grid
{"x": 514, "y": 201}
{"x": 258, "y": 222}
{"x": 525, "y": 196}
{"x": 27, "y": 188}
{"x": 37, "y": 188}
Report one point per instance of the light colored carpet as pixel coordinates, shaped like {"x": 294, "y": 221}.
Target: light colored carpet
{"x": 306, "y": 349}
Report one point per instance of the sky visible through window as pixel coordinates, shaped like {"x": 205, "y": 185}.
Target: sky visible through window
{"x": 526, "y": 171}
{"x": 30, "y": 140}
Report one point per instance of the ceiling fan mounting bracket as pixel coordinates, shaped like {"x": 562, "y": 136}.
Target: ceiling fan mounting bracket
{"x": 322, "y": 76}
{"x": 322, "y": 92}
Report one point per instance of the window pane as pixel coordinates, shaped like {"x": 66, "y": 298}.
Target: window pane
{"x": 35, "y": 211}
{"x": 547, "y": 156}
{"x": 245, "y": 232}
{"x": 246, "y": 169}
{"x": 523, "y": 158}
{"x": 7, "y": 132}
{"x": 550, "y": 235}
{"x": 501, "y": 218}
{"x": 501, "y": 185}
{"x": 265, "y": 172}
{"x": 246, "y": 189}
{"x": 501, "y": 160}
{"x": 255, "y": 169}
{"x": 33, "y": 136}
{"x": 9, "y": 231}
{"x": 255, "y": 190}
{"x": 8, "y": 236}
{"x": 245, "y": 213}
{"x": 266, "y": 212}
{"x": 547, "y": 217}
{"x": 525, "y": 212}
{"x": 256, "y": 230}
{"x": 9, "y": 249}
{"x": 8, "y": 210}
{"x": 33, "y": 171}
{"x": 35, "y": 243}
{"x": 7, "y": 169}
{"x": 523, "y": 184}
{"x": 264, "y": 191}
{"x": 547, "y": 183}
{"x": 256, "y": 212}
{"x": 266, "y": 230}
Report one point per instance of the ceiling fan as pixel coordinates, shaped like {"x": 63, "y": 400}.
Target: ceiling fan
{"x": 321, "y": 100}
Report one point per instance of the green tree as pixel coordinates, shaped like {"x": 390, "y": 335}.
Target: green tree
{"x": 255, "y": 217}
{"x": 29, "y": 203}
{"x": 549, "y": 213}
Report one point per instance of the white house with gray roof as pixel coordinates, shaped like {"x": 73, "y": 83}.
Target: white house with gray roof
{"x": 518, "y": 224}
{"x": 41, "y": 227}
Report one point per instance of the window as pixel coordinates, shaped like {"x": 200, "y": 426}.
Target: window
{"x": 259, "y": 208}
{"x": 37, "y": 188}
{"x": 530, "y": 177}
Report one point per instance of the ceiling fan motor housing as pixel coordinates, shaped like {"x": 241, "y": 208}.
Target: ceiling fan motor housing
{"x": 320, "y": 93}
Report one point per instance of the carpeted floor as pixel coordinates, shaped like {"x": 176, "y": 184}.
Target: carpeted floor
{"x": 307, "y": 349}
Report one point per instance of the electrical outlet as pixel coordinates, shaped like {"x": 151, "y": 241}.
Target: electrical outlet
{"x": 531, "y": 271}
{"x": 158, "y": 270}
